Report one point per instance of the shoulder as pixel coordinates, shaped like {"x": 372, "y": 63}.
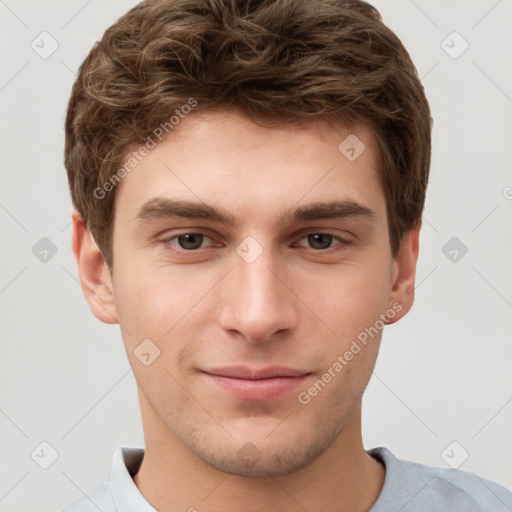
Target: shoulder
{"x": 417, "y": 487}
{"x": 100, "y": 498}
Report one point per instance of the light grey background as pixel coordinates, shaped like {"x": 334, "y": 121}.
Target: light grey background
{"x": 444, "y": 371}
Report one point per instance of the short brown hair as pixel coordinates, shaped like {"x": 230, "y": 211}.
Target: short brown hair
{"x": 286, "y": 60}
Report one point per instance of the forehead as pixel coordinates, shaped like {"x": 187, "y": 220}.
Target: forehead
{"x": 226, "y": 158}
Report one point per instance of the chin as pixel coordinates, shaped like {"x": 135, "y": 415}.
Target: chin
{"x": 263, "y": 453}
{"x": 251, "y": 461}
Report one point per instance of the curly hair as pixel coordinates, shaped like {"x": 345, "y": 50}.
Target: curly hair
{"x": 279, "y": 61}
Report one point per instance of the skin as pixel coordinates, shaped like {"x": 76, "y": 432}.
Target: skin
{"x": 298, "y": 304}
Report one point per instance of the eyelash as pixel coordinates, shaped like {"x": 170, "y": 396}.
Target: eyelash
{"x": 341, "y": 240}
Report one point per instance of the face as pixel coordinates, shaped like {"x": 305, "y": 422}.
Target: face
{"x": 252, "y": 277}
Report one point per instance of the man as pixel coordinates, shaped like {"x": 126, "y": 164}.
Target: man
{"x": 249, "y": 179}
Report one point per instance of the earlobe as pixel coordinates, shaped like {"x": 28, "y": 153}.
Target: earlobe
{"x": 93, "y": 272}
{"x": 401, "y": 297}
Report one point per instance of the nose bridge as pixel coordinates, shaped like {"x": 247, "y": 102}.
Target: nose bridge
{"x": 259, "y": 280}
{"x": 257, "y": 303}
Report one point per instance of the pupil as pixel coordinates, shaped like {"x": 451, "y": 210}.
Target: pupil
{"x": 190, "y": 241}
{"x": 320, "y": 237}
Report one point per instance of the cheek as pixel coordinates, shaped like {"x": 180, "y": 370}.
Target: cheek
{"x": 349, "y": 299}
{"x": 350, "y": 305}
{"x": 155, "y": 312}
{"x": 151, "y": 299}
{"x": 167, "y": 308}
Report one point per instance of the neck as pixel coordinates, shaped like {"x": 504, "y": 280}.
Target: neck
{"x": 173, "y": 479}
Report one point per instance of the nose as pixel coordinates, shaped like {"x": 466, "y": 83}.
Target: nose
{"x": 257, "y": 301}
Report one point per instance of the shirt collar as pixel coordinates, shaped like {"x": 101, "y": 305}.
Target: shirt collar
{"x": 127, "y": 497}
{"x": 393, "y": 495}
{"x": 125, "y": 494}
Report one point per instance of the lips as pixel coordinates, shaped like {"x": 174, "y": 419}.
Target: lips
{"x": 244, "y": 372}
{"x": 247, "y": 383}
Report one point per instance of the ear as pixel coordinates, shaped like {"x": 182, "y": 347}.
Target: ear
{"x": 94, "y": 273}
{"x": 401, "y": 297}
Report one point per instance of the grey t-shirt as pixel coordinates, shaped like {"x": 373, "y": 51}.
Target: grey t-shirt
{"x": 408, "y": 487}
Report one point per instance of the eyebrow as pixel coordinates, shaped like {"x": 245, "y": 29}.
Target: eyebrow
{"x": 162, "y": 208}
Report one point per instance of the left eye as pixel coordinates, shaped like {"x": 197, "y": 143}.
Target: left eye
{"x": 322, "y": 241}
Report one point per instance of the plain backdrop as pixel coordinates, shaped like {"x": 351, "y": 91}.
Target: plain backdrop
{"x": 442, "y": 385}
